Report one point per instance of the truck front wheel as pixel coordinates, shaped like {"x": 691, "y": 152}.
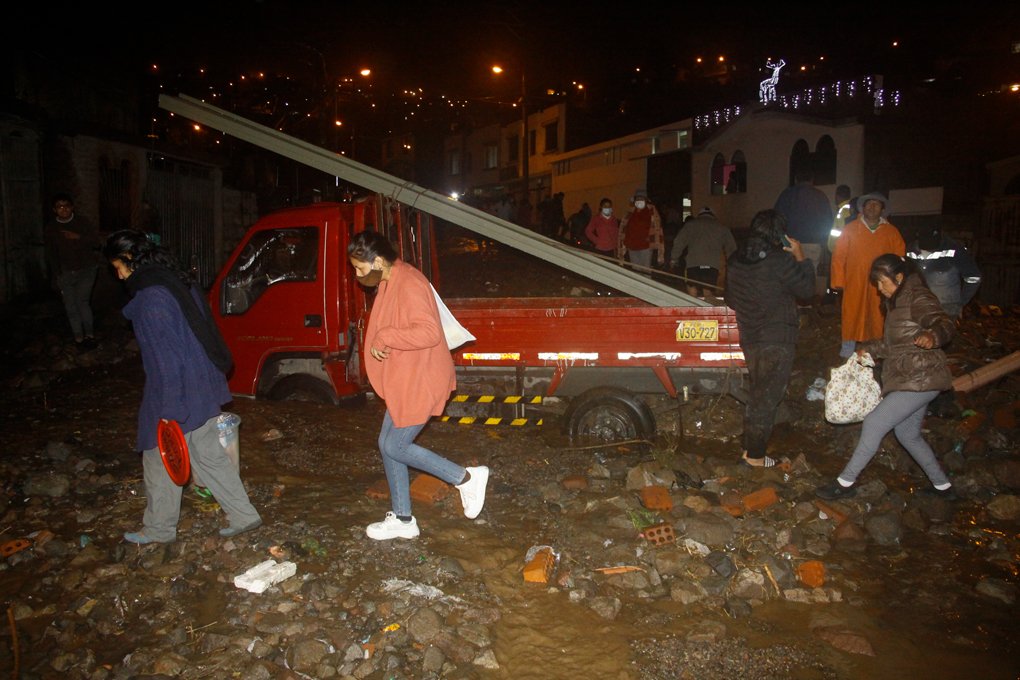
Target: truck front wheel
{"x": 607, "y": 414}
{"x": 300, "y": 387}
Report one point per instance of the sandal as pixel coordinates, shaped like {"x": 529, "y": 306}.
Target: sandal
{"x": 763, "y": 462}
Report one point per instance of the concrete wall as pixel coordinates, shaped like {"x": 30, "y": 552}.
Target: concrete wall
{"x": 613, "y": 169}
{"x": 766, "y": 141}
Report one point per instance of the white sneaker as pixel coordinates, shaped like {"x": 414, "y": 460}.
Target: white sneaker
{"x": 472, "y": 492}
{"x": 391, "y": 527}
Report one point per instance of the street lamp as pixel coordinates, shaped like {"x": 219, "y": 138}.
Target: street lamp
{"x": 525, "y": 179}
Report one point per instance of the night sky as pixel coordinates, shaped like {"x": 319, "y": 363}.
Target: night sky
{"x": 449, "y": 45}
{"x": 637, "y": 63}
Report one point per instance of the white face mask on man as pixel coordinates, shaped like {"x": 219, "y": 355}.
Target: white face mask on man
{"x": 640, "y": 205}
{"x": 606, "y": 212}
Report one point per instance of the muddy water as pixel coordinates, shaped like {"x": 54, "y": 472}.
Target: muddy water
{"x": 912, "y": 603}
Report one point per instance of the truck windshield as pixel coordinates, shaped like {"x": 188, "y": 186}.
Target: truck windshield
{"x": 270, "y": 258}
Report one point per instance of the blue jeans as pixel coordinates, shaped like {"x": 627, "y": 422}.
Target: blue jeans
{"x": 399, "y": 452}
{"x": 902, "y": 412}
{"x": 76, "y": 290}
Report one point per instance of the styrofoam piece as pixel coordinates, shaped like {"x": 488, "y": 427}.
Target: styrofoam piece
{"x": 265, "y": 574}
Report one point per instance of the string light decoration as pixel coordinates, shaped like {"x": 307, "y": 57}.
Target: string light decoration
{"x": 767, "y": 88}
{"x": 813, "y": 98}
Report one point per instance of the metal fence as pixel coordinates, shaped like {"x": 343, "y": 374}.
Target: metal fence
{"x": 997, "y": 251}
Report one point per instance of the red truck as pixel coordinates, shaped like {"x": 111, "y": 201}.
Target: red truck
{"x": 608, "y": 368}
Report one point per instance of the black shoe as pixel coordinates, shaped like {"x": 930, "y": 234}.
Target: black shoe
{"x": 945, "y": 494}
{"x": 834, "y": 491}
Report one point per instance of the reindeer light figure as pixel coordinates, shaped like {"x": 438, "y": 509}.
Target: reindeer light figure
{"x": 767, "y": 88}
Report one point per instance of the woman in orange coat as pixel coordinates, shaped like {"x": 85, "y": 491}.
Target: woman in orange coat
{"x": 411, "y": 369}
{"x": 864, "y": 239}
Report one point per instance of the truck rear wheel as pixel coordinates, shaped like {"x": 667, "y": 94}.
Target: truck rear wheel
{"x": 606, "y": 414}
{"x": 300, "y": 387}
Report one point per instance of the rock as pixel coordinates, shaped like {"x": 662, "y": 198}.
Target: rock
{"x": 450, "y": 567}
{"x": 707, "y": 631}
{"x": 487, "y": 659}
{"x": 697, "y": 503}
{"x": 424, "y": 625}
{"x": 737, "y": 609}
{"x": 749, "y": 584}
{"x": 305, "y": 655}
{"x": 170, "y": 664}
{"x": 606, "y": 607}
{"x": 670, "y": 562}
{"x": 58, "y": 451}
{"x": 720, "y": 563}
{"x": 885, "y": 528}
{"x": 1007, "y": 474}
{"x": 806, "y": 595}
{"x": 476, "y": 634}
{"x": 687, "y": 593}
{"x": 649, "y": 474}
{"x": 433, "y": 659}
{"x": 53, "y": 485}
{"x": 782, "y": 571}
{"x": 260, "y": 670}
{"x": 598, "y": 471}
{"x": 998, "y": 589}
{"x": 1004, "y": 507}
{"x": 455, "y": 647}
{"x": 709, "y": 529}
{"x": 849, "y": 536}
{"x": 871, "y": 492}
{"x": 846, "y": 640}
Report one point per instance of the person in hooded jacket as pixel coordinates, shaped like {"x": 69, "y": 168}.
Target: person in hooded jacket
{"x": 185, "y": 361}
{"x": 764, "y": 278}
{"x": 914, "y": 372}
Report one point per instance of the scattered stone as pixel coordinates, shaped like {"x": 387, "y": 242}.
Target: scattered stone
{"x": 998, "y": 589}
{"x": 606, "y": 607}
{"x": 885, "y": 528}
{"x": 709, "y": 529}
{"x": 1005, "y": 507}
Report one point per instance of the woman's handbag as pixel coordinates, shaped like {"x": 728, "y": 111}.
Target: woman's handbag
{"x": 456, "y": 335}
{"x": 852, "y": 392}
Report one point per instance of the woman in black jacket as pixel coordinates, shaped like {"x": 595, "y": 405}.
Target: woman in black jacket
{"x": 914, "y": 372}
{"x": 764, "y": 278}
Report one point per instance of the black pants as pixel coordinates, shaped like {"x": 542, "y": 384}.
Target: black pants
{"x": 769, "y": 368}
{"x": 709, "y": 275}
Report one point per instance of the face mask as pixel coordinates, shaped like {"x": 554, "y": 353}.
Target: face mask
{"x": 371, "y": 279}
{"x": 606, "y": 212}
{"x": 640, "y": 205}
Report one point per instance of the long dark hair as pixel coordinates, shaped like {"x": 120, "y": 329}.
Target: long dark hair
{"x": 368, "y": 245}
{"x": 135, "y": 249}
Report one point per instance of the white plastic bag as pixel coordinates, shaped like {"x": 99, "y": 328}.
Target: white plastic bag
{"x": 852, "y": 392}
{"x": 456, "y": 335}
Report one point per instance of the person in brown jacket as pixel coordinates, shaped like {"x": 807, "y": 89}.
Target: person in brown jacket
{"x": 914, "y": 372}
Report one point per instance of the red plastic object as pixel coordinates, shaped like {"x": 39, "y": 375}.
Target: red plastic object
{"x": 173, "y": 449}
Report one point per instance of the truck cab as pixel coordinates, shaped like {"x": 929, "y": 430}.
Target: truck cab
{"x": 293, "y": 314}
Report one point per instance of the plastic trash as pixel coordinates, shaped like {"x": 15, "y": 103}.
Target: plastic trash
{"x": 265, "y": 574}
{"x": 816, "y": 391}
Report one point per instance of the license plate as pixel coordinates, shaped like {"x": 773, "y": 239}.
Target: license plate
{"x": 697, "y": 331}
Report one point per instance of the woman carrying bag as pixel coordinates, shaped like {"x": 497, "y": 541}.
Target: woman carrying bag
{"x": 914, "y": 372}
{"x": 411, "y": 369}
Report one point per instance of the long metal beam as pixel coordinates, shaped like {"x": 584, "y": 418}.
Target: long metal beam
{"x": 578, "y": 261}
